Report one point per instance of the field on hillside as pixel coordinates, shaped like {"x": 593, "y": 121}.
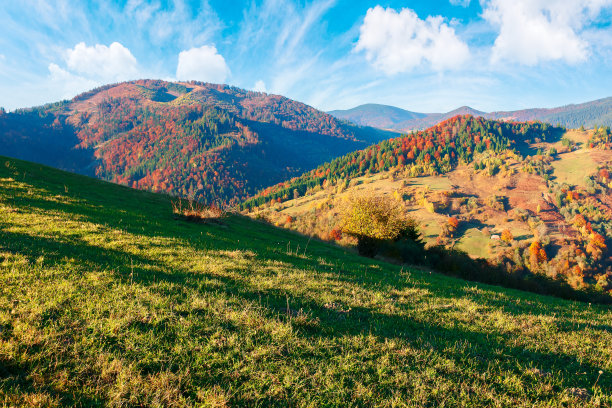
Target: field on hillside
{"x": 107, "y": 300}
{"x": 554, "y": 193}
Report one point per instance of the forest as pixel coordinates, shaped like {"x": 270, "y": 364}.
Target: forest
{"x": 434, "y": 151}
{"x": 214, "y": 143}
{"x": 506, "y": 201}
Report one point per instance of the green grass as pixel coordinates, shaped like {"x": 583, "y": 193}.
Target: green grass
{"x": 574, "y": 167}
{"x": 475, "y": 243}
{"x": 107, "y": 300}
{"x": 435, "y": 183}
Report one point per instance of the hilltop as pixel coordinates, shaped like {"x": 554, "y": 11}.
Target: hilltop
{"x": 107, "y": 299}
{"x": 527, "y": 197}
{"x": 213, "y": 142}
{"x": 589, "y": 114}
{"x": 380, "y": 116}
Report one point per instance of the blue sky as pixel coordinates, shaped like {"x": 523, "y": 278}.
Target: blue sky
{"x": 427, "y": 56}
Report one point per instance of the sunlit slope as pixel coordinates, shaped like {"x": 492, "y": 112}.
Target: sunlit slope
{"x": 214, "y": 142}
{"x": 106, "y": 299}
{"x": 501, "y": 187}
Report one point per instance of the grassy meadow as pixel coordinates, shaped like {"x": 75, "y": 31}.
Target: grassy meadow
{"x": 107, "y": 300}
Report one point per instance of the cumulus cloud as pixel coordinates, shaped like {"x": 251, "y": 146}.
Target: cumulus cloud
{"x": 86, "y": 67}
{"x": 101, "y": 62}
{"x": 533, "y": 31}
{"x": 400, "y": 41}
{"x": 462, "y": 3}
{"x": 260, "y": 86}
{"x": 66, "y": 85}
{"x": 202, "y": 64}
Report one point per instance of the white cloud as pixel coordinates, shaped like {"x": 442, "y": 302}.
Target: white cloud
{"x": 260, "y": 86}
{"x": 288, "y": 78}
{"x": 398, "y": 42}
{"x": 533, "y": 31}
{"x": 202, "y": 64}
{"x": 462, "y": 3}
{"x": 176, "y": 21}
{"x": 66, "y": 85}
{"x": 90, "y": 66}
{"x": 112, "y": 63}
{"x": 296, "y": 27}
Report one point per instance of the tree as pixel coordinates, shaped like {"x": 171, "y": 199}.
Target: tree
{"x": 537, "y": 255}
{"x": 373, "y": 220}
{"x": 506, "y": 236}
{"x": 453, "y": 224}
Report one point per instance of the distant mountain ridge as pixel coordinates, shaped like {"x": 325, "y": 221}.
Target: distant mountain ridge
{"x": 589, "y": 114}
{"x": 216, "y": 143}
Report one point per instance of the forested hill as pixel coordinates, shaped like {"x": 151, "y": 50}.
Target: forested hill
{"x": 589, "y": 114}
{"x": 214, "y": 142}
{"x": 434, "y": 151}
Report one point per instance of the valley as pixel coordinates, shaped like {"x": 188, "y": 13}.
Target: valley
{"x": 201, "y": 206}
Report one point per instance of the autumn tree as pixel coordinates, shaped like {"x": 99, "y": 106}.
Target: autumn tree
{"x": 506, "y": 236}
{"x": 453, "y": 224}
{"x": 373, "y": 220}
{"x": 448, "y": 229}
{"x": 537, "y": 255}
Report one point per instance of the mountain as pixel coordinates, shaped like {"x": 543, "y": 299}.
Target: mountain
{"x": 108, "y": 300}
{"x": 470, "y": 181}
{"x": 380, "y": 116}
{"x": 589, "y": 114}
{"x": 213, "y": 142}
{"x": 430, "y": 152}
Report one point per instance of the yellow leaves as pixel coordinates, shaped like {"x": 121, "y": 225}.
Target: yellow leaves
{"x": 373, "y": 217}
{"x": 506, "y": 236}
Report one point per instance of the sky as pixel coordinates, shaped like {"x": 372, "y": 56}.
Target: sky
{"x": 424, "y": 56}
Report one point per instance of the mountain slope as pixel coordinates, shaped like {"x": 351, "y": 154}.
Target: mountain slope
{"x": 547, "y": 189}
{"x": 434, "y": 151}
{"x": 589, "y": 114}
{"x": 107, "y": 300}
{"x": 380, "y": 116}
{"x": 214, "y": 142}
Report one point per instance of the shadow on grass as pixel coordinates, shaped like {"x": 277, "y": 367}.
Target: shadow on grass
{"x": 486, "y": 350}
{"x": 15, "y": 378}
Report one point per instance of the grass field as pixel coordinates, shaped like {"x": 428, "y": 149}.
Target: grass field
{"x": 107, "y": 300}
{"x": 475, "y": 243}
{"x": 574, "y": 167}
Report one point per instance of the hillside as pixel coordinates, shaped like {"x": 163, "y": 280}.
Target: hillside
{"x": 525, "y": 196}
{"x": 380, "y": 116}
{"x": 213, "y": 142}
{"x": 107, "y": 299}
{"x": 589, "y": 114}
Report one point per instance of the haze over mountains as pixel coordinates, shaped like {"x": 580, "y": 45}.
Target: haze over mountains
{"x": 589, "y": 114}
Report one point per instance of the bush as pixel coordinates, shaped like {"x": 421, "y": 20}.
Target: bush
{"x": 194, "y": 211}
{"x": 374, "y": 220}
